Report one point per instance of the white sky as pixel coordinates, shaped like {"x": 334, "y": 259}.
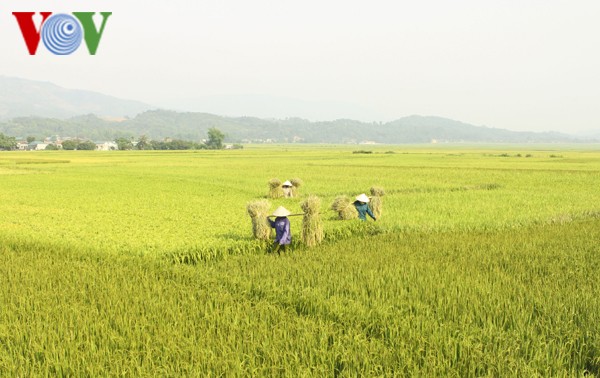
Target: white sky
{"x": 522, "y": 65}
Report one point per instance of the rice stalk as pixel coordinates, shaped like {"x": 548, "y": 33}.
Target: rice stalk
{"x": 258, "y": 211}
{"x": 312, "y": 224}
{"x": 296, "y": 184}
{"x": 376, "y": 203}
{"x": 344, "y": 207}
{"x": 377, "y": 191}
{"x": 275, "y": 189}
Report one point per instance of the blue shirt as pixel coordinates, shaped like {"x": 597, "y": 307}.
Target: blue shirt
{"x": 281, "y": 225}
{"x": 363, "y": 209}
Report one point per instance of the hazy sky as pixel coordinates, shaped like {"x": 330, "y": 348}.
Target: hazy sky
{"x": 521, "y": 65}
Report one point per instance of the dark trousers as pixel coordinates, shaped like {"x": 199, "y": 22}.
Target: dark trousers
{"x": 279, "y": 248}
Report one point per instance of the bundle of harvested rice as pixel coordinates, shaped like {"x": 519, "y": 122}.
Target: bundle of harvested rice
{"x": 312, "y": 224}
{"x": 296, "y": 183}
{"x": 344, "y": 207}
{"x": 376, "y": 203}
{"x": 259, "y": 211}
{"x": 275, "y": 189}
{"x": 377, "y": 191}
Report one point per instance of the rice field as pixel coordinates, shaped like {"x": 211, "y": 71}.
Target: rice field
{"x": 484, "y": 262}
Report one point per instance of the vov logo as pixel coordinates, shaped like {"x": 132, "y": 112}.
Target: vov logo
{"x": 61, "y": 33}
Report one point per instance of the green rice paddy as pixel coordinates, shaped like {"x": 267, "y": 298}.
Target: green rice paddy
{"x": 485, "y": 262}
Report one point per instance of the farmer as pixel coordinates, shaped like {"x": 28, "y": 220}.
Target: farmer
{"x": 281, "y": 224}
{"x": 362, "y": 206}
{"x": 287, "y": 189}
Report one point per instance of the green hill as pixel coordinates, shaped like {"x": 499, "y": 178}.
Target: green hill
{"x": 159, "y": 124}
{"x": 40, "y": 109}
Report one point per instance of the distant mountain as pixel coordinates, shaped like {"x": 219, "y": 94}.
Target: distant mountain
{"x": 25, "y": 98}
{"x": 159, "y": 124}
{"x": 265, "y": 106}
{"x": 589, "y": 134}
{"x": 40, "y": 109}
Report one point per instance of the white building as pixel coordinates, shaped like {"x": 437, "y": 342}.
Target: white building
{"x": 22, "y": 146}
{"x": 36, "y": 146}
{"x": 106, "y": 146}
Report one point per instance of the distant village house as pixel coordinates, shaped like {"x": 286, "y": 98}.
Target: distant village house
{"x": 37, "y": 146}
{"x": 106, "y": 146}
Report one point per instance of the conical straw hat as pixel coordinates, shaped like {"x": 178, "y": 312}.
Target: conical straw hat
{"x": 287, "y": 183}
{"x": 281, "y": 212}
{"x": 362, "y": 198}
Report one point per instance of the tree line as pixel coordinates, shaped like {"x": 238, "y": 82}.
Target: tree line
{"x": 214, "y": 142}
{"x": 7, "y": 143}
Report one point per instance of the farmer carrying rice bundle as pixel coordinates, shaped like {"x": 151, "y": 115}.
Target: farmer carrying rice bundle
{"x": 281, "y": 224}
{"x": 362, "y": 206}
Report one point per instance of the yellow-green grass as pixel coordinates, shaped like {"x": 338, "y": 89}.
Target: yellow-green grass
{"x": 175, "y": 202}
{"x": 500, "y": 303}
{"x": 484, "y": 264}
